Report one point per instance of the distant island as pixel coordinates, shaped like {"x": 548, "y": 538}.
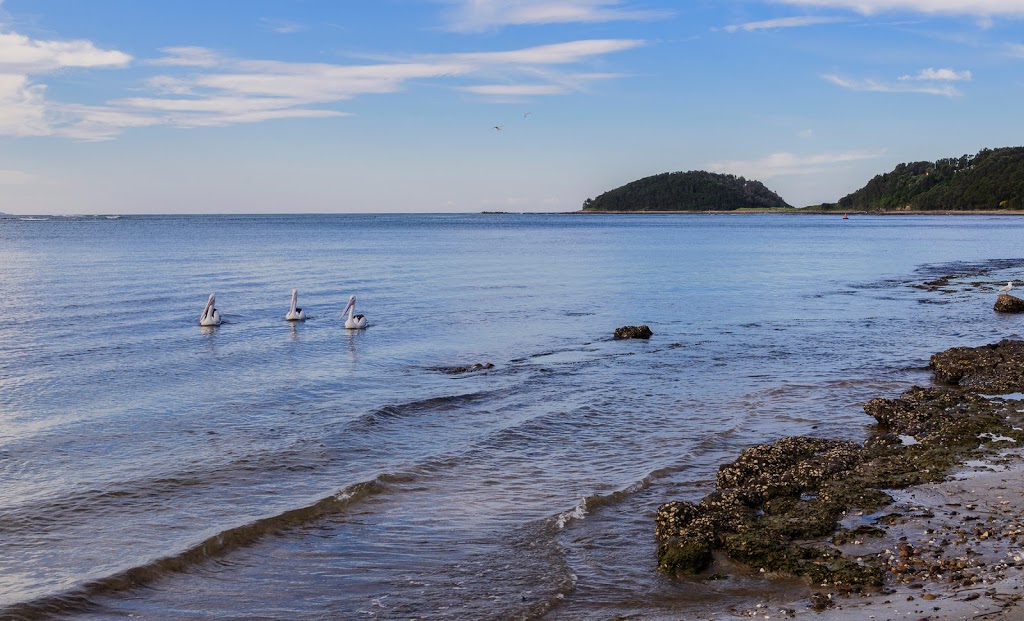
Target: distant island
{"x": 992, "y": 180}
{"x": 695, "y": 190}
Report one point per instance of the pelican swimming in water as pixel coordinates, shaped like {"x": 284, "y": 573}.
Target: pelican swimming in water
{"x": 295, "y": 313}
{"x": 354, "y": 322}
{"x": 1006, "y": 288}
{"x": 210, "y": 316}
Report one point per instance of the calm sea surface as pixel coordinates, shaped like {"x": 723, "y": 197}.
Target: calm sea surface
{"x": 151, "y": 468}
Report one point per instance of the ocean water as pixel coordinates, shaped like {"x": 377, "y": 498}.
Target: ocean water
{"x": 151, "y": 468}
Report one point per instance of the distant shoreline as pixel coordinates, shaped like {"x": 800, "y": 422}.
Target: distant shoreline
{"x": 807, "y": 211}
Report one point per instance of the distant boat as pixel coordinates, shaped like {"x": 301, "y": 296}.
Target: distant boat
{"x": 846, "y": 217}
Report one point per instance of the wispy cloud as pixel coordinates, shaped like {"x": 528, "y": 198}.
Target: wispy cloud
{"x": 1016, "y": 49}
{"x": 16, "y": 177}
{"x": 555, "y": 54}
{"x": 780, "y": 164}
{"x": 983, "y": 8}
{"x": 939, "y": 75}
{"x": 223, "y": 90}
{"x": 281, "y": 26}
{"x": 515, "y": 90}
{"x": 200, "y": 87}
{"x": 187, "y": 56}
{"x": 482, "y": 15}
{"x": 784, "y": 22}
{"x": 875, "y": 86}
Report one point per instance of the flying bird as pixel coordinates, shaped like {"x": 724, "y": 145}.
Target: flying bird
{"x": 497, "y": 128}
{"x": 526, "y": 114}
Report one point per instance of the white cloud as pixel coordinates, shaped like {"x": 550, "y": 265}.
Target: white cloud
{"x": 19, "y": 54}
{"x": 939, "y": 75}
{"x": 780, "y": 164}
{"x": 984, "y": 8}
{"x": 24, "y": 109}
{"x": 874, "y": 86}
{"x": 784, "y": 22}
{"x": 1016, "y": 49}
{"x": 202, "y": 87}
{"x": 480, "y": 15}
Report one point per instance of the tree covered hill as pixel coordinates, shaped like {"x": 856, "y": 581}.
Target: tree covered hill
{"x": 991, "y": 180}
{"x": 696, "y": 190}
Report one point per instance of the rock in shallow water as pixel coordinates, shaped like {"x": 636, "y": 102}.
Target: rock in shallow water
{"x": 633, "y": 332}
{"x": 1009, "y": 304}
{"x": 990, "y": 369}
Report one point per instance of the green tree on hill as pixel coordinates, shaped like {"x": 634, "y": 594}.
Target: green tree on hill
{"x": 990, "y": 180}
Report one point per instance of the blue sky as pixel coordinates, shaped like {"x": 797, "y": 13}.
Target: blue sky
{"x": 252, "y": 106}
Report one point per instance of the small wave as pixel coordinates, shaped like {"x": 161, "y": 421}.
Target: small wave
{"x": 590, "y": 503}
{"x": 434, "y": 404}
{"x": 219, "y": 544}
{"x": 578, "y": 512}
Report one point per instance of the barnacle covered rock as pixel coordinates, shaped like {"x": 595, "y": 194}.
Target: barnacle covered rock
{"x": 777, "y": 505}
{"x": 1009, "y": 304}
{"x": 997, "y": 368}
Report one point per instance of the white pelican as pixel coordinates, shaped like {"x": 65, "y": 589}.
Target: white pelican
{"x": 210, "y": 316}
{"x": 354, "y": 322}
{"x": 1006, "y": 288}
{"x": 294, "y": 313}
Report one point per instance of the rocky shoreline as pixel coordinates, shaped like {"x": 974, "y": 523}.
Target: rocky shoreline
{"x": 924, "y": 520}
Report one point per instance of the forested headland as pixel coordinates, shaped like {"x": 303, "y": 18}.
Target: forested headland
{"x": 991, "y": 180}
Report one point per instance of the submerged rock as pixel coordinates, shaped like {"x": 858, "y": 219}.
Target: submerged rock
{"x": 468, "y": 369}
{"x": 633, "y": 332}
{"x": 1007, "y": 303}
{"x": 990, "y": 369}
